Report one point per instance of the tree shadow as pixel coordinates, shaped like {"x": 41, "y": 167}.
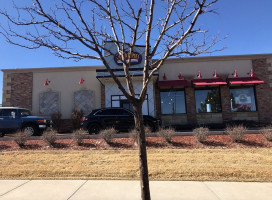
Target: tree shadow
{"x": 60, "y": 145}
{"x": 214, "y": 144}
{"x": 32, "y": 146}
{"x": 252, "y": 143}
{"x": 87, "y": 145}
{"x": 120, "y": 145}
{"x": 4, "y": 147}
{"x": 155, "y": 144}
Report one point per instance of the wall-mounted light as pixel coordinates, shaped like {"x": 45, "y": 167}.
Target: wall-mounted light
{"x": 46, "y": 83}
{"x": 235, "y": 74}
{"x": 81, "y": 81}
{"x": 199, "y": 75}
{"x": 180, "y": 76}
{"x": 215, "y": 75}
{"x": 164, "y": 77}
{"x": 251, "y": 73}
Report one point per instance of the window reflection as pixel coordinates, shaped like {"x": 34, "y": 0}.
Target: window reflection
{"x": 242, "y": 99}
{"x": 207, "y": 100}
{"x": 172, "y": 102}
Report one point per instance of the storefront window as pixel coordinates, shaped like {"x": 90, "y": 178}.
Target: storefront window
{"x": 172, "y": 102}
{"x": 242, "y": 99}
{"x": 208, "y": 100}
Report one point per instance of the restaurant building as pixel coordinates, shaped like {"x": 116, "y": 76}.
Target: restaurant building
{"x": 188, "y": 91}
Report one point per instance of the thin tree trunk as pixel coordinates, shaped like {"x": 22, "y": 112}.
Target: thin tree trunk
{"x": 139, "y": 124}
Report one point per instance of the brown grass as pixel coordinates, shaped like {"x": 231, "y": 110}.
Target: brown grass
{"x": 164, "y": 164}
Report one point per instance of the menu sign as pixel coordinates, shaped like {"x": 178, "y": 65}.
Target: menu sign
{"x": 136, "y": 58}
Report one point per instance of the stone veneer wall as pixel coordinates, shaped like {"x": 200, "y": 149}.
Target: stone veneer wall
{"x": 263, "y": 70}
{"x": 17, "y": 89}
{"x": 103, "y": 96}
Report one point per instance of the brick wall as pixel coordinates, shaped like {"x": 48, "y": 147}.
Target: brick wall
{"x": 225, "y": 103}
{"x": 190, "y": 105}
{"x": 103, "y": 96}
{"x": 262, "y": 69}
{"x": 17, "y": 89}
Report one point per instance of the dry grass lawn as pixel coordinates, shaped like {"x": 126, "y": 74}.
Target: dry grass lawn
{"x": 251, "y": 164}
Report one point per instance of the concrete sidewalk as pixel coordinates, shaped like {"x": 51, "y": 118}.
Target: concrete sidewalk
{"x": 104, "y": 190}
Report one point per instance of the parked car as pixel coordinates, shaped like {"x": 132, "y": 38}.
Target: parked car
{"x": 13, "y": 119}
{"x": 119, "y": 118}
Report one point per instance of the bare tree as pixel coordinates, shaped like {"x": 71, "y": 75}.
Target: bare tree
{"x": 78, "y": 29}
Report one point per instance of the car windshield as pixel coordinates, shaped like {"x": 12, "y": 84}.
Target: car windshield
{"x": 25, "y": 113}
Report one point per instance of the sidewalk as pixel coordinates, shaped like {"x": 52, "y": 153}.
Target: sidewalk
{"x": 115, "y": 190}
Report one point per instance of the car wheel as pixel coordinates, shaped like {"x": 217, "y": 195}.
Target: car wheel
{"x": 150, "y": 126}
{"x": 94, "y": 129}
{"x": 31, "y": 129}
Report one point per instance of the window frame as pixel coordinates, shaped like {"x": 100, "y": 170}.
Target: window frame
{"x": 243, "y": 87}
{"x": 208, "y": 88}
{"x": 174, "y": 90}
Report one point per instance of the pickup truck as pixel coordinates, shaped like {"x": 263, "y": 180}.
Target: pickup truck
{"x": 13, "y": 119}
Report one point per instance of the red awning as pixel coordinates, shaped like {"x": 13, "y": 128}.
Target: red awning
{"x": 210, "y": 81}
{"x": 173, "y": 83}
{"x": 244, "y": 80}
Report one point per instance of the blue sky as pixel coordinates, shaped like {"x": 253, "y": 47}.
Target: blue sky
{"x": 246, "y": 22}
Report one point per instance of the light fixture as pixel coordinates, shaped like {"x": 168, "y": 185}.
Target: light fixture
{"x": 81, "y": 81}
{"x": 180, "y": 76}
{"x": 46, "y": 83}
{"x": 164, "y": 77}
{"x": 215, "y": 75}
{"x": 251, "y": 73}
{"x": 235, "y": 74}
{"x": 199, "y": 75}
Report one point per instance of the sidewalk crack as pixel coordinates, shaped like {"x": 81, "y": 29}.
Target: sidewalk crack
{"x": 211, "y": 191}
{"x": 77, "y": 190}
{"x": 15, "y": 188}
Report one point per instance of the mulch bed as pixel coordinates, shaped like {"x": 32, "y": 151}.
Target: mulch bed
{"x": 178, "y": 142}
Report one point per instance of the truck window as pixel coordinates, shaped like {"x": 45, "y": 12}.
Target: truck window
{"x": 25, "y": 113}
{"x": 7, "y": 112}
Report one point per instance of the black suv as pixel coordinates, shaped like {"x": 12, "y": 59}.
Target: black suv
{"x": 14, "y": 118}
{"x": 119, "y": 118}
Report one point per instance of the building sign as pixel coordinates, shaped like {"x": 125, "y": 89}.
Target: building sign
{"x": 136, "y": 58}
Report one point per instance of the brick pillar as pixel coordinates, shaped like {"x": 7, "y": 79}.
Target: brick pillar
{"x": 103, "y": 96}
{"x": 190, "y": 105}
{"x": 262, "y": 70}
{"x": 157, "y": 101}
{"x": 20, "y": 88}
{"x": 225, "y": 103}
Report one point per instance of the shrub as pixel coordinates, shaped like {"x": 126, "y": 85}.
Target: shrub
{"x": 78, "y": 136}
{"x": 166, "y": 133}
{"x": 201, "y": 134}
{"x": 49, "y": 137}
{"x": 77, "y": 114}
{"x": 21, "y": 138}
{"x": 236, "y": 132}
{"x": 267, "y": 133}
{"x": 56, "y": 120}
{"x": 107, "y": 135}
{"x": 134, "y": 135}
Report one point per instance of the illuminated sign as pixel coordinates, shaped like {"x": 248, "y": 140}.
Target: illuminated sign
{"x": 136, "y": 58}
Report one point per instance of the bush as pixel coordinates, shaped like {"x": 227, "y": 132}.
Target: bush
{"x": 56, "y": 120}
{"x": 167, "y": 133}
{"x": 77, "y": 114}
{"x": 107, "y": 135}
{"x": 134, "y": 135}
{"x": 236, "y": 132}
{"x": 267, "y": 133}
{"x": 78, "y": 136}
{"x": 21, "y": 137}
{"x": 201, "y": 134}
{"x": 49, "y": 137}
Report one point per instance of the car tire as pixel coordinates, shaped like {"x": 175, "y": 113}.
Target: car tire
{"x": 31, "y": 129}
{"x": 151, "y": 126}
{"x": 94, "y": 129}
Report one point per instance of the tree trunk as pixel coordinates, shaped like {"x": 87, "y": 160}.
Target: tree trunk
{"x": 139, "y": 125}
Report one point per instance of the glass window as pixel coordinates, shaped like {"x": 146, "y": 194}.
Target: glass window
{"x": 172, "y": 102}
{"x": 7, "y": 112}
{"x": 208, "y": 100}
{"x": 242, "y": 99}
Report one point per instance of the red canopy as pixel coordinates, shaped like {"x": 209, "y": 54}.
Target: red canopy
{"x": 173, "y": 83}
{"x": 244, "y": 80}
{"x": 210, "y": 81}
